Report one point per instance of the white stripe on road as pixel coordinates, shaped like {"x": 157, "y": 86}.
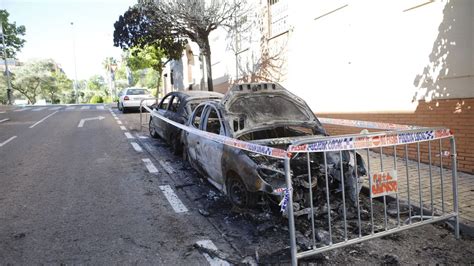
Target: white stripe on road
{"x": 21, "y": 110}
{"x": 140, "y": 136}
{"x": 209, "y": 245}
{"x": 123, "y": 128}
{"x": 173, "y": 199}
{"x": 3, "y": 120}
{"x": 85, "y": 107}
{"x": 38, "y": 109}
{"x": 70, "y": 108}
{"x": 150, "y": 166}
{"x": 6, "y": 141}
{"x": 55, "y": 108}
{"x": 136, "y": 147}
{"x": 2, "y": 112}
{"x": 46, "y": 117}
{"x": 128, "y": 135}
{"x": 116, "y": 118}
{"x": 167, "y": 167}
{"x": 119, "y": 122}
{"x": 100, "y": 107}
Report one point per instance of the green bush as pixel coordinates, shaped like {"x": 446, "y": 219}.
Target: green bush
{"x": 96, "y": 99}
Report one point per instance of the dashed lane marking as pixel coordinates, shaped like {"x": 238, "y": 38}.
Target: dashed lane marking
{"x": 38, "y": 109}
{"x": 85, "y": 107}
{"x": 173, "y": 199}
{"x": 2, "y": 112}
{"x": 21, "y": 110}
{"x": 209, "y": 245}
{"x": 46, "y": 117}
{"x": 136, "y": 147}
{"x": 167, "y": 167}
{"x": 123, "y": 128}
{"x": 3, "y": 120}
{"x": 150, "y": 166}
{"x": 6, "y": 141}
{"x": 116, "y": 118}
{"x": 119, "y": 122}
{"x": 100, "y": 107}
{"x": 70, "y": 108}
{"x": 128, "y": 135}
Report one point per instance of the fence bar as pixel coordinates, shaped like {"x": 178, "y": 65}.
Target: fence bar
{"x": 370, "y": 189}
{"x": 291, "y": 218}
{"x": 441, "y": 173}
{"x": 384, "y": 198}
{"x": 357, "y": 190}
{"x": 419, "y": 179}
{"x": 396, "y": 172}
{"x": 431, "y": 178}
{"x": 343, "y": 196}
{"x": 380, "y": 234}
{"x": 408, "y": 182}
{"x": 311, "y": 197}
{"x": 327, "y": 198}
{"x": 455, "y": 185}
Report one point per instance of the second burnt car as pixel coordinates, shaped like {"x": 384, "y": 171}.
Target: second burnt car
{"x": 265, "y": 114}
{"x": 177, "y": 106}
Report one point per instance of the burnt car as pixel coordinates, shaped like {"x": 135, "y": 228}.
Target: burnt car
{"x": 269, "y": 115}
{"x": 177, "y": 106}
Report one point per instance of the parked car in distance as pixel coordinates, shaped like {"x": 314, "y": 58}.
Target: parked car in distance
{"x": 177, "y": 106}
{"x": 130, "y": 98}
{"x": 269, "y": 115}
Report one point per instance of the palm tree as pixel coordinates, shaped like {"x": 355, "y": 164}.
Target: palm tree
{"x": 110, "y": 65}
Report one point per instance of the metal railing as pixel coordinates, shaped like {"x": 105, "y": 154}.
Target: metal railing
{"x": 146, "y": 114}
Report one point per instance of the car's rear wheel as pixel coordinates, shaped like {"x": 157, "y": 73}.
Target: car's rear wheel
{"x": 152, "y": 130}
{"x": 238, "y": 194}
{"x": 124, "y": 110}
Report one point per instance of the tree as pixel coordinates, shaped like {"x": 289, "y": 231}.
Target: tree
{"x": 33, "y": 77}
{"x": 13, "y": 33}
{"x": 110, "y": 65}
{"x": 193, "y": 19}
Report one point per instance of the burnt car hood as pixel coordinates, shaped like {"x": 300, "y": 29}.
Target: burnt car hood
{"x": 250, "y": 109}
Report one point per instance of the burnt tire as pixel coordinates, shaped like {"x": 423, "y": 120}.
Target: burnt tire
{"x": 124, "y": 110}
{"x": 238, "y": 194}
{"x": 152, "y": 130}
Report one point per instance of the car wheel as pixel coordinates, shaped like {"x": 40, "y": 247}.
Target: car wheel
{"x": 118, "y": 106}
{"x": 238, "y": 194}
{"x": 124, "y": 110}
{"x": 152, "y": 130}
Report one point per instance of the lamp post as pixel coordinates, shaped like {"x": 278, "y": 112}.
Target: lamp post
{"x": 74, "y": 57}
{"x": 9, "y": 85}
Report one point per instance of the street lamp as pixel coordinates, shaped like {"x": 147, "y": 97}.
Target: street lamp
{"x": 74, "y": 56}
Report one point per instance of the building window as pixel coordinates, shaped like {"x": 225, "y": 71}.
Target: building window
{"x": 278, "y": 17}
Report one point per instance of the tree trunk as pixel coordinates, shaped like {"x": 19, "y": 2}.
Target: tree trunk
{"x": 207, "y": 56}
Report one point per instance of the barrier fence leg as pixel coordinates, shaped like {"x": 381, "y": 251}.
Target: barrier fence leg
{"x": 291, "y": 218}
{"x": 455, "y": 185}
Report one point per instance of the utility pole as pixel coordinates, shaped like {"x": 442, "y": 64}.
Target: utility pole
{"x": 9, "y": 85}
{"x": 74, "y": 56}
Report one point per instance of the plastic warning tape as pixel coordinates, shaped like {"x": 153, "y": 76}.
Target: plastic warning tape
{"x": 366, "y": 124}
{"x": 260, "y": 149}
{"x": 363, "y": 141}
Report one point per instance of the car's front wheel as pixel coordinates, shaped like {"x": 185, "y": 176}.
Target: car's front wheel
{"x": 238, "y": 194}
{"x": 152, "y": 130}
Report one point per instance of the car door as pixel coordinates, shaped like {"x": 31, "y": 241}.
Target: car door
{"x": 160, "y": 125}
{"x": 210, "y": 152}
{"x": 173, "y": 114}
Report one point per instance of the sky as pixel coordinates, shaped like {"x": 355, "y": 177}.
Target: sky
{"x": 49, "y": 33}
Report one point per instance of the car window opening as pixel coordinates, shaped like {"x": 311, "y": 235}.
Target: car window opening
{"x": 277, "y": 132}
{"x": 213, "y": 124}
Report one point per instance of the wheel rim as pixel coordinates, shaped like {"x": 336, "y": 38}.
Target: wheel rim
{"x": 238, "y": 193}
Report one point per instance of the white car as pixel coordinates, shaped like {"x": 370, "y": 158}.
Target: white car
{"x": 131, "y": 97}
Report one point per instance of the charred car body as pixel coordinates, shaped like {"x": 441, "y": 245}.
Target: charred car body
{"x": 269, "y": 115}
{"x": 177, "y": 106}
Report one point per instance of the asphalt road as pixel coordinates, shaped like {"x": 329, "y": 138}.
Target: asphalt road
{"x": 72, "y": 194}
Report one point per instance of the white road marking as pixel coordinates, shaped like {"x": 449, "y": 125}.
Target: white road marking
{"x": 81, "y": 123}
{"x": 167, "y": 167}
{"x": 119, "y": 122}
{"x": 2, "y": 112}
{"x": 150, "y": 166}
{"x": 21, "y": 110}
{"x": 85, "y": 107}
{"x": 3, "y": 120}
{"x": 6, "y": 141}
{"x": 208, "y": 244}
{"x": 123, "y": 128}
{"x": 140, "y": 136}
{"x": 55, "y": 108}
{"x": 100, "y": 107}
{"x": 116, "y": 118}
{"x": 38, "y": 109}
{"x": 173, "y": 199}
{"x": 128, "y": 135}
{"x": 136, "y": 147}
{"x": 46, "y": 117}
{"x": 70, "y": 108}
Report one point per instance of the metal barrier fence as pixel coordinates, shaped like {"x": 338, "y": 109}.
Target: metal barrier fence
{"x": 336, "y": 211}
{"x": 146, "y": 114}
{"x": 412, "y": 193}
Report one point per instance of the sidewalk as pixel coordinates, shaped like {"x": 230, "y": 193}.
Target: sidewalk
{"x": 440, "y": 178}
{"x": 5, "y": 108}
